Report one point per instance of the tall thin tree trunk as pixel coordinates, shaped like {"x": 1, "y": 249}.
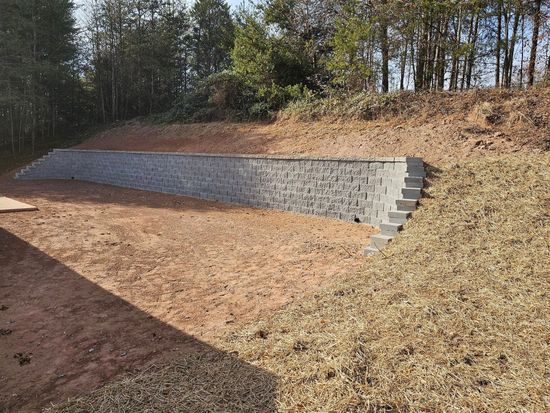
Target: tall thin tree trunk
{"x": 456, "y": 59}
{"x": 507, "y": 17}
{"x": 440, "y": 69}
{"x": 465, "y": 63}
{"x": 534, "y": 44}
{"x": 471, "y": 57}
{"x": 498, "y": 44}
{"x": 403, "y": 67}
{"x": 34, "y": 111}
{"x": 421, "y": 56}
{"x": 385, "y": 57}
{"x": 510, "y": 67}
{"x": 12, "y": 135}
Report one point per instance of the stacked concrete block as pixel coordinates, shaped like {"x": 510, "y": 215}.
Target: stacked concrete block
{"x": 378, "y": 191}
{"x": 408, "y": 192}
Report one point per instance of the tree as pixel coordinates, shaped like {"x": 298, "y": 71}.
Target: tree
{"x": 263, "y": 58}
{"x": 140, "y": 57}
{"x": 213, "y": 37}
{"x": 352, "y": 60}
{"x": 38, "y": 68}
{"x": 534, "y": 42}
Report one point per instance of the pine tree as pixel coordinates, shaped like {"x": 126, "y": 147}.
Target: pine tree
{"x": 213, "y": 37}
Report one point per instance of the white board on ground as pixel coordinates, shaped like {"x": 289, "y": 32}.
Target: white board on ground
{"x": 11, "y": 205}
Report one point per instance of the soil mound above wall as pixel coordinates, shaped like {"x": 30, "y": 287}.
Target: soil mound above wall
{"x": 438, "y": 127}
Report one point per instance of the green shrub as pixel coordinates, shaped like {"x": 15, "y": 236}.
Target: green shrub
{"x": 227, "y": 96}
{"x": 338, "y": 104}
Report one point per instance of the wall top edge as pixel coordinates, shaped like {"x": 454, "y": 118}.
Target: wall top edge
{"x": 403, "y": 159}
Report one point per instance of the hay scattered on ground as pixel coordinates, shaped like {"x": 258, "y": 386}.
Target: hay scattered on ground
{"x": 453, "y": 317}
{"x": 209, "y": 382}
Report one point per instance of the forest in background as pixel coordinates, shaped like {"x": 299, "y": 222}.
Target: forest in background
{"x": 172, "y": 61}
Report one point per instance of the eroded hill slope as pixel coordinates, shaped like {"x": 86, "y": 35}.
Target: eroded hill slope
{"x": 439, "y": 127}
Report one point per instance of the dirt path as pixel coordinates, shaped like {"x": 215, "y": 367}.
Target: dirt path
{"x": 103, "y": 280}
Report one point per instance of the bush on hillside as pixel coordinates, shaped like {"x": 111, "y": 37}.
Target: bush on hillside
{"x": 227, "y": 96}
{"x": 338, "y": 104}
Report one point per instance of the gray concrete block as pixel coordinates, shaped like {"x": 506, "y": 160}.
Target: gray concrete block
{"x": 368, "y": 189}
{"x": 398, "y": 217}
{"x": 380, "y": 241}
{"x": 411, "y": 193}
{"x": 388, "y": 228}
{"x": 406, "y": 205}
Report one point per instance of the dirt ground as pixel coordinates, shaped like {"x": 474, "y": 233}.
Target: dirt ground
{"x": 104, "y": 280}
{"x": 441, "y": 128}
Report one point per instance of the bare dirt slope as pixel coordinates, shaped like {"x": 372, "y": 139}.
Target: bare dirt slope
{"x": 103, "y": 280}
{"x": 440, "y": 128}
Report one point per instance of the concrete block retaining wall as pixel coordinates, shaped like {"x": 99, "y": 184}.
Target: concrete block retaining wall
{"x": 361, "y": 190}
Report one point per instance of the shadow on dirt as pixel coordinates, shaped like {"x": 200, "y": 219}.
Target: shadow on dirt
{"x": 88, "y": 192}
{"x": 66, "y": 336}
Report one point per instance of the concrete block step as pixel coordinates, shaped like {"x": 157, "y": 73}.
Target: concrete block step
{"x": 416, "y": 172}
{"x": 390, "y": 229}
{"x": 411, "y": 193}
{"x": 370, "y": 251}
{"x": 413, "y": 160}
{"x": 398, "y": 217}
{"x": 406, "y": 204}
{"x": 414, "y": 182}
{"x": 379, "y": 241}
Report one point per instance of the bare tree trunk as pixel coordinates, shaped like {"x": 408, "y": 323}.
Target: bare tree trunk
{"x": 517, "y": 15}
{"x": 441, "y": 55}
{"x": 506, "y": 64}
{"x": 412, "y": 64}
{"x": 430, "y": 61}
{"x": 498, "y": 45}
{"x": 453, "y": 84}
{"x": 10, "y": 115}
{"x": 466, "y": 60}
{"x": 421, "y": 56}
{"x": 403, "y": 66}
{"x": 385, "y": 57}
{"x": 33, "y": 131}
{"x": 471, "y": 57}
{"x": 33, "y": 87}
{"x": 534, "y": 44}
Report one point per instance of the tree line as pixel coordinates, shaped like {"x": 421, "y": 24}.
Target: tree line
{"x": 170, "y": 61}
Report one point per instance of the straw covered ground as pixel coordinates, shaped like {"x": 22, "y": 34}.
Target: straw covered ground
{"x": 453, "y": 316}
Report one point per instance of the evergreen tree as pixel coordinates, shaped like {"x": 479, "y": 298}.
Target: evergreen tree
{"x": 213, "y": 37}
{"x": 38, "y": 78}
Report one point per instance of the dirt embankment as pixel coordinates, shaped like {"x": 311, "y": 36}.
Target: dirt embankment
{"x": 439, "y": 127}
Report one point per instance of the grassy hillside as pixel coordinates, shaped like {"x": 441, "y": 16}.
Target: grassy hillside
{"x": 452, "y": 316}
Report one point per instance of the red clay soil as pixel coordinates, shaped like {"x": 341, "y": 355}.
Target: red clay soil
{"x": 103, "y": 280}
{"x": 440, "y": 128}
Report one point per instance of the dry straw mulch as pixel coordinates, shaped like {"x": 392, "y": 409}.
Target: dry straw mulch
{"x": 453, "y": 317}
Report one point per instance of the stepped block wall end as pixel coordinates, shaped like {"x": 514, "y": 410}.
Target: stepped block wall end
{"x": 370, "y": 190}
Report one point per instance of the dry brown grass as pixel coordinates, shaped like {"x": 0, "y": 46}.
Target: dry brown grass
{"x": 454, "y": 317}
